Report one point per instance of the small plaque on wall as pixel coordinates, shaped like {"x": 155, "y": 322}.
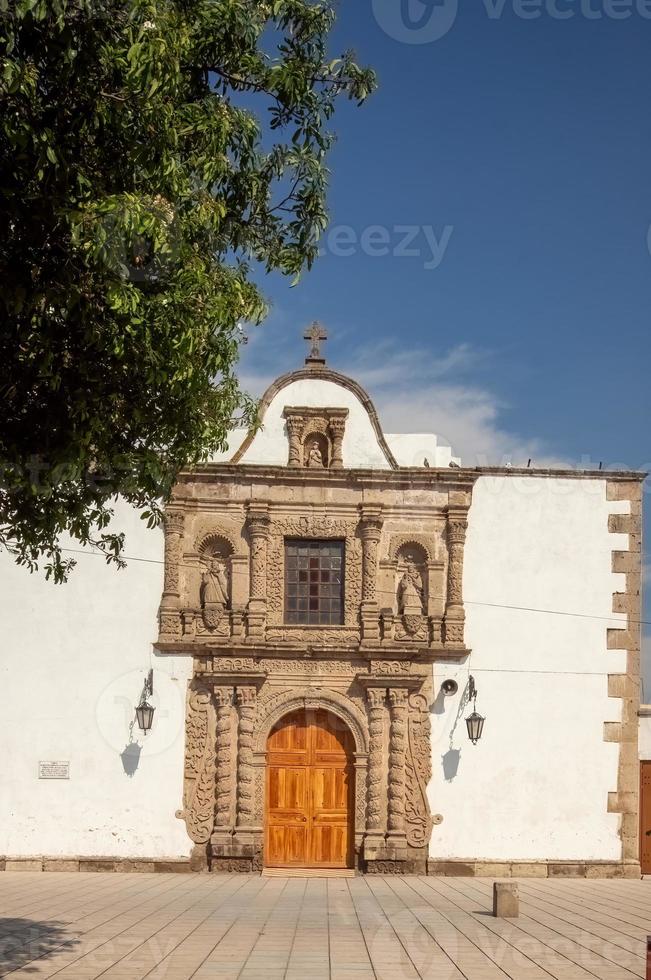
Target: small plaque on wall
{"x": 54, "y": 770}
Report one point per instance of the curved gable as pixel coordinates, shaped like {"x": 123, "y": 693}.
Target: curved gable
{"x": 364, "y": 445}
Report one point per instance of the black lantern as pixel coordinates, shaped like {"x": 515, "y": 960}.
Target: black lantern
{"x": 145, "y": 711}
{"x": 474, "y": 722}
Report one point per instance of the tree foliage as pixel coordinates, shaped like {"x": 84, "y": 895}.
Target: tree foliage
{"x": 149, "y": 151}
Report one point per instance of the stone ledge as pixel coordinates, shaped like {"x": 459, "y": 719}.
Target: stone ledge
{"x": 534, "y": 869}
{"x": 105, "y": 864}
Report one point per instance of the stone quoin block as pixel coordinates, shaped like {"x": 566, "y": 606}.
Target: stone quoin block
{"x": 506, "y": 901}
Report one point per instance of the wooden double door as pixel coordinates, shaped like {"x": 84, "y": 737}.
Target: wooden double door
{"x": 645, "y": 817}
{"x": 309, "y": 808}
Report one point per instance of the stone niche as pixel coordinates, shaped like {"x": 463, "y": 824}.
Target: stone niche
{"x": 315, "y": 437}
{"x": 223, "y": 604}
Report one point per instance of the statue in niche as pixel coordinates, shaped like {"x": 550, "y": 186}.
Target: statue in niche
{"x": 214, "y": 591}
{"x": 315, "y": 456}
{"x": 411, "y": 599}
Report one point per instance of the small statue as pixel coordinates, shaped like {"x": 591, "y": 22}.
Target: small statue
{"x": 315, "y": 456}
{"x": 214, "y": 592}
{"x": 410, "y": 591}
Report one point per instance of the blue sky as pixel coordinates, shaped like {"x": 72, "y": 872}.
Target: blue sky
{"x": 487, "y": 272}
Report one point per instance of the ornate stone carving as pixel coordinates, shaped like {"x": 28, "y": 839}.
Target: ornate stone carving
{"x": 323, "y": 637}
{"x": 344, "y": 668}
{"x": 418, "y": 772}
{"x": 229, "y": 664}
{"x": 170, "y": 618}
{"x": 314, "y": 456}
{"x": 391, "y": 666}
{"x": 337, "y": 428}
{"x": 214, "y": 592}
{"x": 411, "y": 592}
{"x": 258, "y": 526}
{"x": 376, "y": 699}
{"x": 397, "y": 754}
{"x": 224, "y": 790}
{"x": 370, "y": 531}
{"x": 454, "y": 613}
{"x": 199, "y": 793}
{"x": 408, "y": 544}
{"x": 246, "y": 697}
{"x": 315, "y": 436}
{"x": 295, "y": 426}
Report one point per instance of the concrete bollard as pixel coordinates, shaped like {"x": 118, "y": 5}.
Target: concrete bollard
{"x": 506, "y": 904}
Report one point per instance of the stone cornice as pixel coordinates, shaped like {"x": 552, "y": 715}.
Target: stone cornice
{"x": 422, "y": 475}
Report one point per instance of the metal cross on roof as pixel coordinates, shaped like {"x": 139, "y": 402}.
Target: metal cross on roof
{"x": 314, "y": 335}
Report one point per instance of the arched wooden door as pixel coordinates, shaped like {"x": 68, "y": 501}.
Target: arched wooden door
{"x": 309, "y": 808}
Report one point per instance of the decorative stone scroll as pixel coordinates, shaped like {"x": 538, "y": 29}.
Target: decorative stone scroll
{"x": 418, "y": 772}
{"x": 199, "y": 794}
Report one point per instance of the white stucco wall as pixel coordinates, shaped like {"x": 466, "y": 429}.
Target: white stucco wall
{"x": 536, "y": 786}
{"x": 645, "y": 732}
{"x": 413, "y": 448}
{"x": 72, "y": 665}
{"x": 360, "y": 447}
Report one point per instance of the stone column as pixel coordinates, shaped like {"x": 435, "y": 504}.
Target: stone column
{"x": 258, "y": 528}
{"x": 170, "y": 615}
{"x": 376, "y": 697}
{"x": 246, "y": 698}
{"x": 398, "y": 706}
{"x": 224, "y": 788}
{"x": 337, "y": 428}
{"x": 295, "y": 426}
{"x": 370, "y": 530}
{"x": 454, "y": 612}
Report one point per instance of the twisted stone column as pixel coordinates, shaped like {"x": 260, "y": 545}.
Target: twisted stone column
{"x": 170, "y": 620}
{"x": 454, "y": 613}
{"x": 375, "y": 697}
{"x": 223, "y": 701}
{"x": 246, "y": 697}
{"x": 397, "y": 753}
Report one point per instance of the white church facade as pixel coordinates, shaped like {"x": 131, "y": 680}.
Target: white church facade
{"x": 319, "y": 611}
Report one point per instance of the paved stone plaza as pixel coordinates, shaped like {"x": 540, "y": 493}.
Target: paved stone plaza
{"x": 173, "y": 926}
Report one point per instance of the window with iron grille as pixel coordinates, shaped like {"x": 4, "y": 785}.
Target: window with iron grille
{"x": 314, "y": 582}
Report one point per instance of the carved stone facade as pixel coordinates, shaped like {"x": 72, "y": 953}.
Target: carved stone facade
{"x": 403, "y": 543}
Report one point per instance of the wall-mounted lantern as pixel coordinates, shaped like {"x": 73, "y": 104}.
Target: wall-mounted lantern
{"x": 474, "y": 721}
{"x": 145, "y": 711}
